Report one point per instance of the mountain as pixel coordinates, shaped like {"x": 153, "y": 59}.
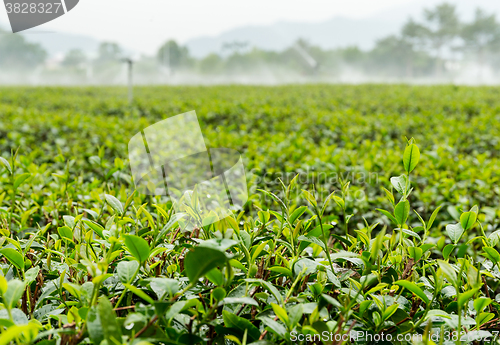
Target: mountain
{"x": 57, "y": 43}
{"x": 336, "y": 32}
{"x": 333, "y": 33}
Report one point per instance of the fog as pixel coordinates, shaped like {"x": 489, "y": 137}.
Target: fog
{"x": 438, "y": 48}
{"x": 465, "y": 74}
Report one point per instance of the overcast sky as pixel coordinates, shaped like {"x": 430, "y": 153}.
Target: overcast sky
{"x": 146, "y": 24}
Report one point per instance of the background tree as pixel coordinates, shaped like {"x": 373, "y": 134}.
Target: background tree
{"x": 17, "y": 53}
{"x": 109, "y": 51}
{"x": 390, "y": 55}
{"x": 108, "y": 67}
{"x": 481, "y": 36}
{"x": 442, "y": 27}
{"x": 74, "y": 58}
{"x": 173, "y": 56}
{"x": 413, "y": 36}
{"x": 211, "y": 64}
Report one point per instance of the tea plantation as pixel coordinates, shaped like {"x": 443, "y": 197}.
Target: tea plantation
{"x": 373, "y": 216}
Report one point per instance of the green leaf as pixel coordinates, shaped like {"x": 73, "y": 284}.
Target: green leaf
{"x": 138, "y": 247}
{"x": 14, "y": 257}
{"x": 467, "y": 220}
{"x": 481, "y": 303}
{"x": 389, "y": 311}
{"x": 411, "y": 233}
{"x": 98, "y": 229}
{"x": 65, "y": 232}
{"x": 15, "y": 290}
{"x": 449, "y": 272}
{"x": 401, "y": 212}
{"x": 399, "y": 183}
{"x": 20, "y": 179}
{"x": 389, "y": 195}
{"x": 415, "y": 253}
{"x": 311, "y": 239}
{"x": 454, "y": 231}
{"x": 411, "y": 157}
{"x": 464, "y": 297}
{"x": 364, "y": 305}
{"x": 273, "y": 196}
{"x": 433, "y": 217}
{"x": 297, "y": 213}
{"x": 264, "y": 216}
{"x": 94, "y": 226}
{"x": 342, "y": 254}
{"x": 15, "y": 331}
{"x": 111, "y": 328}
{"x": 413, "y": 288}
{"x": 240, "y": 324}
{"x": 201, "y": 260}
{"x": 31, "y": 274}
{"x": 140, "y": 293}
{"x": 215, "y": 276}
{"x": 126, "y": 270}
{"x": 492, "y": 254}
{"x": 339, "y": 201}
{"x": 163, "y": 286}
{"x": 274, "y": 326}
{"x": 447, "y": 250}
{"x": 281, "y": 270}
{"x": 330, "y": 300}
{"x": 437, "y": 313}
{"x": 268, "y": 286}
{"x": 333, "y": 278}
{"x": 115, "y": 204}
{"x": 171, "y": 222}
{"x": 219, "y": 293}
{"x": 310, "y": 198}
{"x": 74, "y": 289}
{"x": 239, "y": 300}
{"x": 388, "y": 215}
{"x": 6, "y": 164}
{"x": 482, "y": 318}
{"x": 494, "y": 237}
{"x": 94, "y": 325}
{"x": 221, "y": 244}
{"x": 295, "y": 314}
{"x": 281, "y": 313}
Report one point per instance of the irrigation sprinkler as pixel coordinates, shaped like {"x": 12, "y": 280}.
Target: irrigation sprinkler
{"x": 130, "y": 64}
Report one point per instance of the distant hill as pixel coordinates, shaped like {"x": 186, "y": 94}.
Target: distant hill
{"x": 57, "y": 43}
{"x": 333, "y": 33}
{"x": 336, "y": 32}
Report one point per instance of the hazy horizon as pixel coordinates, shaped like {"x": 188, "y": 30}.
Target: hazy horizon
{"x": 156, "y": 21}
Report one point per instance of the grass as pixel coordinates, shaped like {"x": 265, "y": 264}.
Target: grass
{"x": 365, "y": 230}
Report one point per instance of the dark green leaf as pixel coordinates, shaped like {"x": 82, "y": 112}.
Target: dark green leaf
{"x": 138, "y": 247}
{"x": 201, "y": 260}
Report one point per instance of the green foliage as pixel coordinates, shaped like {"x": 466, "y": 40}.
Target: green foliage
{"x": 85, "y": 259}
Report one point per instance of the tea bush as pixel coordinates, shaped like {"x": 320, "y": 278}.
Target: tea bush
{"x": 383, "y": 236}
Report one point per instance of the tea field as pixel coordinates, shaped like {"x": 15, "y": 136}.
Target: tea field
{"x": 373, "y": 216}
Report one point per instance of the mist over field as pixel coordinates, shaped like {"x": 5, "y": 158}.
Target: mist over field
{"x": 434, "y": 46}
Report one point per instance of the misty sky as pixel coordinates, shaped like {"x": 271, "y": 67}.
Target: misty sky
{"x": 144, "y": 25}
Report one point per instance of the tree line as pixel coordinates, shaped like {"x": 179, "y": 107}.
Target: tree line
{"x": 434, "y": 46}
